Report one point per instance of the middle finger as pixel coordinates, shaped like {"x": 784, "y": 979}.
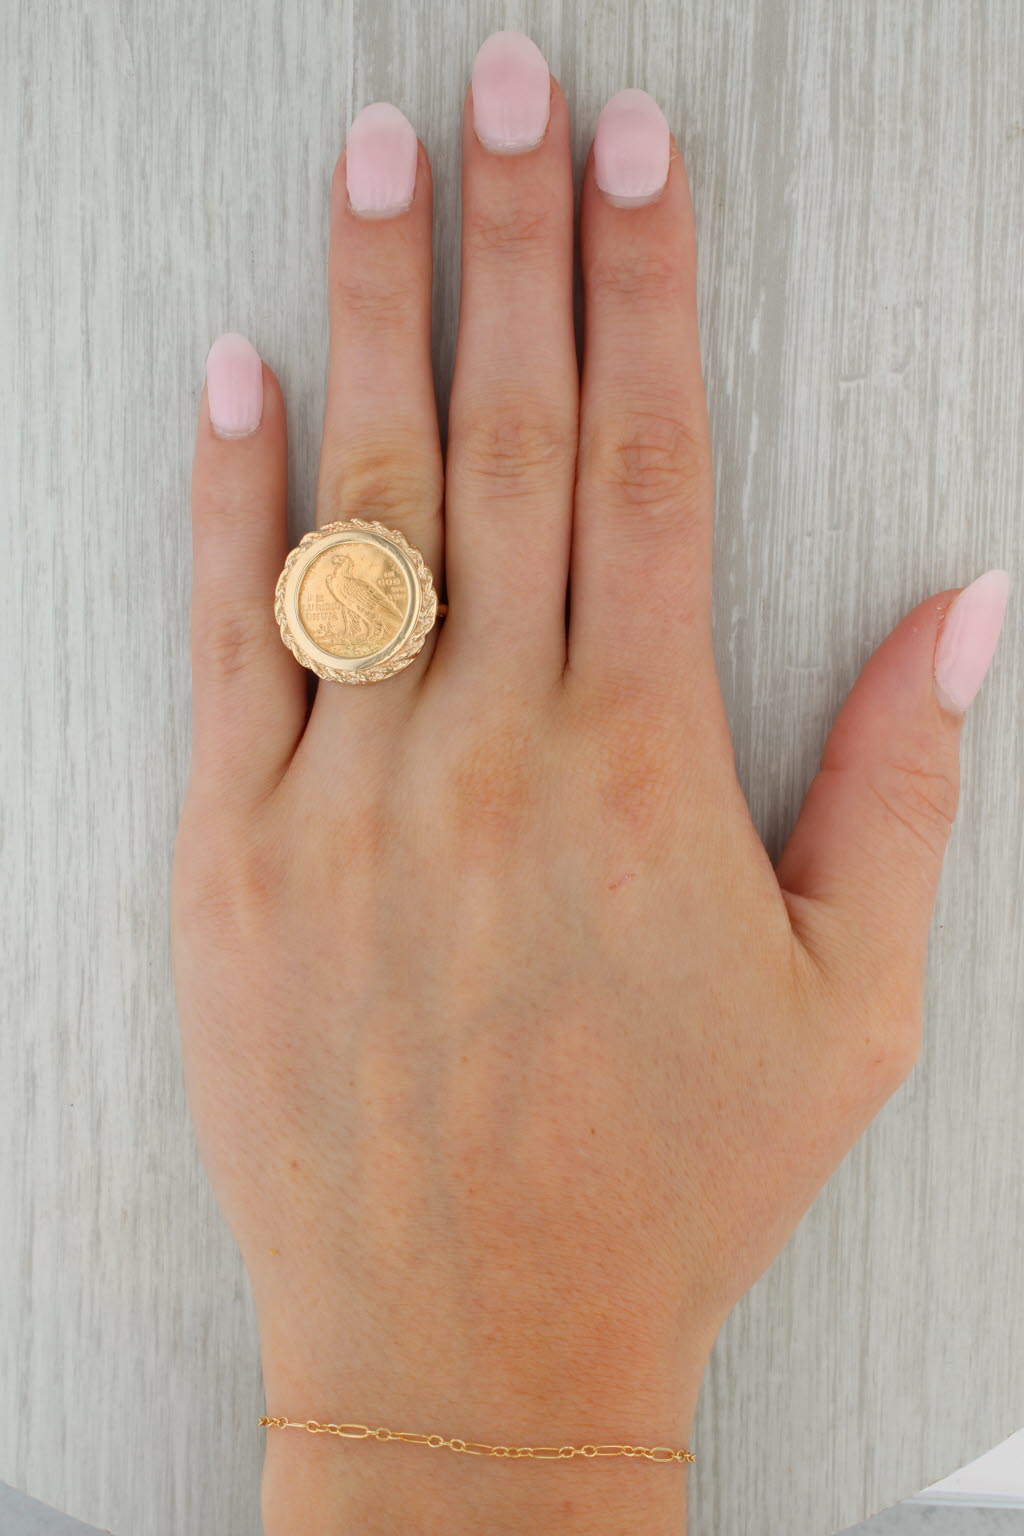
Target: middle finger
{"x": 514, "y": 401}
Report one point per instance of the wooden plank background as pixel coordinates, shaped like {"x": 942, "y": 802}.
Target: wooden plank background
{"x": 858, "y": 176}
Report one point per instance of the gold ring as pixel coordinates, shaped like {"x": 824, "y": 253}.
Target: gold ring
{"x": 355, "y": 601}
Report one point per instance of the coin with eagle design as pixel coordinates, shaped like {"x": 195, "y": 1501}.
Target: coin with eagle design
{"x": 355, "y": 601}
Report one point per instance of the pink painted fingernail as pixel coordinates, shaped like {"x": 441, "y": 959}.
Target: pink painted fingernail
{"x": 511, "y": 93}
{"x": 234, "y": 386}
{"x": 967, "y": 640}
{"x": 631, "y": 149}
{"x": 380, "y": 161}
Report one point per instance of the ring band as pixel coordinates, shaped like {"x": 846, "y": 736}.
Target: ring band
{"x": 355, "y": 601}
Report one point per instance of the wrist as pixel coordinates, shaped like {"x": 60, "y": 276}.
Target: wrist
{"x": 576, "y": 1396}
{"x": 319, "y": 1485}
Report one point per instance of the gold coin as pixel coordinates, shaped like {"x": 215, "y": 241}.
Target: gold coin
{"x": 355, "y": 601}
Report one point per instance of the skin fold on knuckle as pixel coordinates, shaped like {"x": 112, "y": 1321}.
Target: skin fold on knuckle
{"x": 885, "y": 1041}
{"x": 382, "y": 303}
{"x": 492, "y": 787}
{"x": 858, "y": 1023}
{"x": 637, "y": 791}
{"x": 651, "y": 462}
{"x": 361, "y": 838}
{"x": 230, "y": 637}
{"x": 378, "y": 482}
{"x": 635, "y": 274}
{"x": 514, "y": 228}
{"x": 226, "y": 879}
{"x": 862, "y": 1024}
{"x": 514, "y": 444}
{"x": 920, "y": 798}
{"x": 222, "y": 502}
{"x": 631, "y": 753}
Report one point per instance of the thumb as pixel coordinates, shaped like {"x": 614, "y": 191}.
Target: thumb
{"x": 861, "y": 869}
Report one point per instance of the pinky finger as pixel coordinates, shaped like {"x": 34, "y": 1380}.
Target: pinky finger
{"x": 248, "y": 694}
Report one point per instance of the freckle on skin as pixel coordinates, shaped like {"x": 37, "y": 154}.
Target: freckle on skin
{"x": 294, "y": 1163}
{"x": 614, "y": 884}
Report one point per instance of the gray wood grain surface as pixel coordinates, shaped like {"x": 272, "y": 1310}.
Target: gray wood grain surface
{"x": 858, "y": 177}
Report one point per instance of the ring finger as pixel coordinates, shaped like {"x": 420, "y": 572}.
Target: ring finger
{"x": 380, "y": 456}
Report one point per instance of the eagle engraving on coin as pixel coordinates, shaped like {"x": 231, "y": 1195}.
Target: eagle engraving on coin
{"x": 353, "y": 600}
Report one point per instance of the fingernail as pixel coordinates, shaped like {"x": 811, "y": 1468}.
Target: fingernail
{"x": 234, "y": 386}
{"x": 631, "y": 149}
{"x": 380, "y": 161}
{"x": 967, "y": 640}
{"x": 511, "y": 93}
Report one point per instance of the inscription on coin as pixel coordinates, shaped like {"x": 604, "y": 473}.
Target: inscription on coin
{"x": 353, "y": 599}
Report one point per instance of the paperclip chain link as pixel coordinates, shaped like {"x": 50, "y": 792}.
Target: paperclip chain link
{"x": 476, "y": 1448}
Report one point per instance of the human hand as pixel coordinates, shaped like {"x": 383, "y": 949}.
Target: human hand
{"x": 512, "y": 1059}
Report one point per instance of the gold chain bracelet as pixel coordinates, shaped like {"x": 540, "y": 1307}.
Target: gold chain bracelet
{"x": 475, "y": 1448}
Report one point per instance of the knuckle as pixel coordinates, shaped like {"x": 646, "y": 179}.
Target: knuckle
{"x": 382, "y": 304}
{"x": 225, "y": 880}
{"x": 866, "y": 1017}
{"x": 892, "y": 1046}
{"x": 492, "y": 788}
{"x": 515, "y": 444}
{"x": 356, "y": 841}
{"x": 231, "y": 637}
{"x": 634, "y": 784}
{"x": 222, "y": 504}
{"x": 635, "y": 274}
{"x": 632, "y": 747}
{"x": 922, "y": 799}
{"x": 514, "y": 229}
{"x": 379, "y": 481}
{"x": 878, "y": 1034}
{"x": 652, "y": 462}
